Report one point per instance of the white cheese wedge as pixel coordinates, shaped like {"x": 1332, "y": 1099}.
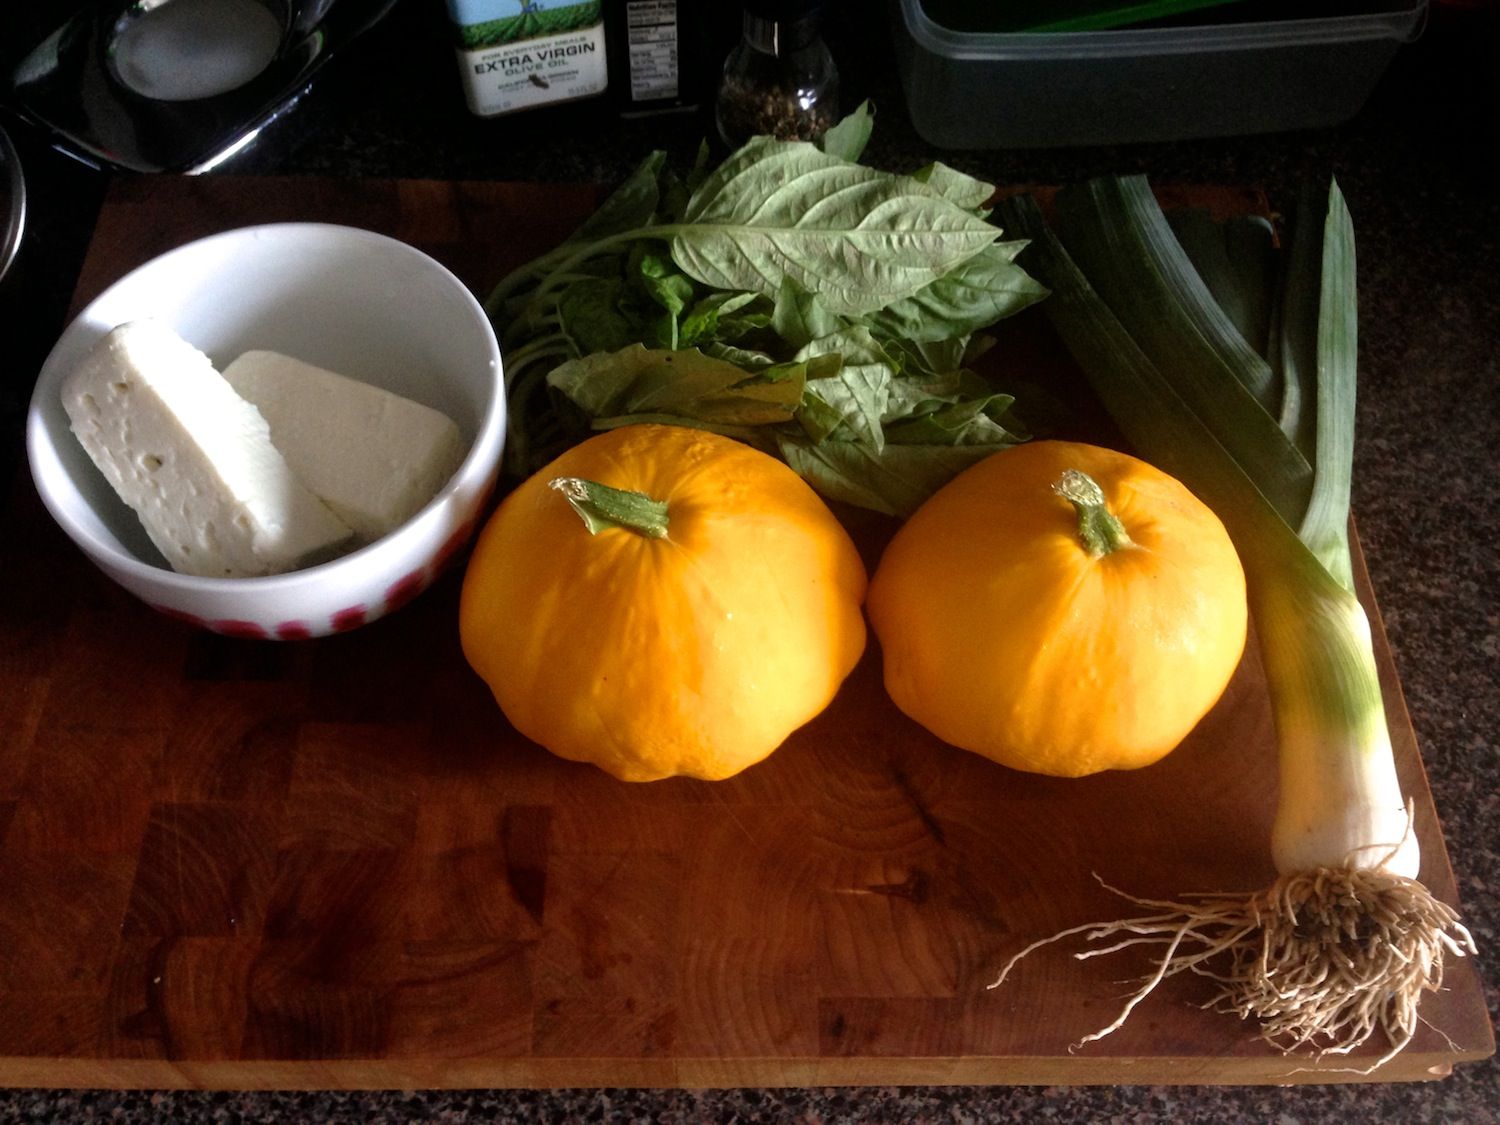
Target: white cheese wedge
{"x": 375, "y": 458}
{"x": 193, "y": 459}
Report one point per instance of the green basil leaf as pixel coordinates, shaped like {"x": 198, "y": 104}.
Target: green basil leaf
{"x": 667, "y": 379}
{"x": 848, "y": 138}
{"x": 591, "y": 317}
{"x": 929, "y": 359}
{"x": 961, "y": 189}
{"x": 895, "y": 481}
{"x": 746, "y": 359}
{"x": 857, "y": 237}
{"x": 705, "y": 318}
{"x": 818, "y": 419}
{"x": 980, "y": 291}
{"x": 799, "y": 317}
{"x": 702, "y": 166}
{"x": 919, "y": 393}
{"x": 824, "y": 366}
{"x": 752, "y": 404}
{"x": 859, "y": 391}
{"x": 685, "y": 384}
{"x": 739, "y": 325}
{"x": 599, "y": 383}
{"x": 970, "y": 421}
{"x": 668, "y": 287}
{"x": 633, "y": 204}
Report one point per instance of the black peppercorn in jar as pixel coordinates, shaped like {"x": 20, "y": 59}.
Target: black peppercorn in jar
{"x": 780, "y": 80}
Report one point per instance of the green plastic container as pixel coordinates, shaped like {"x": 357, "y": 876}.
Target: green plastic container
{"x": 1226, "y": 76}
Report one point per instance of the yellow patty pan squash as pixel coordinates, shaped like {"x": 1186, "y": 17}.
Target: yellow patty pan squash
{"x": 662, "y": 601}
{"x": 1060, "y": 608}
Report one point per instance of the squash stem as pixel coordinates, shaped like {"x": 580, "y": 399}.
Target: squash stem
{"x": 601, "y": 507}
{"x": 1100, "y": 529}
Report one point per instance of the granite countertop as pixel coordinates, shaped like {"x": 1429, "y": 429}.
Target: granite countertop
{"x": 1425, "y": 487}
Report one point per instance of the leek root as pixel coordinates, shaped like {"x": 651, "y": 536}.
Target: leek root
{"x": 1323, "y": 958}
{"x": 1346, "y": 941}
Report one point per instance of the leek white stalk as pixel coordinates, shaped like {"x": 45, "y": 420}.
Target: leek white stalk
{"x": 1345, "y": 941}
{"x": 1339, "y": 800}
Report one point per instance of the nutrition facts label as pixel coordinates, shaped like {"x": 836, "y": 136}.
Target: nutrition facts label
{"x": 652, "y": 39}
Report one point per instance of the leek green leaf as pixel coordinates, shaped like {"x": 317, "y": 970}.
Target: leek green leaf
{"x": 1325, "y": 526}
{"x": 1119, "y": 237}
{"x": 1296, "y": 338}
{"x": 1236, "y": 258}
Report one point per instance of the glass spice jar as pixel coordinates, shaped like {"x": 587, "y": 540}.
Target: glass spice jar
{"x": 780, "y": 80}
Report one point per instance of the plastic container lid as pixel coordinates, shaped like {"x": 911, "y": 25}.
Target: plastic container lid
{"x": 1230, "y": 74}
{"x": 1046, "y": 15}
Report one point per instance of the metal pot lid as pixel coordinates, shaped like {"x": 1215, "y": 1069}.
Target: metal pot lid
{"x": 12, "y": 202}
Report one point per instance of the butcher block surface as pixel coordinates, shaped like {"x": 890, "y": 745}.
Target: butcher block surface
{"x": 241, "y": 864}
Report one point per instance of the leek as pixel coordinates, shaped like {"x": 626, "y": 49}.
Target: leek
{"x": 1346, "y": 940}
{"x": 1126, "y": 247}
{"x": 1235, "y": 258}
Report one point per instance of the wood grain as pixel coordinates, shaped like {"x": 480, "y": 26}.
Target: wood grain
{"x": 228, "y": 863}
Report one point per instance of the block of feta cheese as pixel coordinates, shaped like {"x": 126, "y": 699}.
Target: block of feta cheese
{"x": 375, "y": 458}
{"x": 193, "y": 459}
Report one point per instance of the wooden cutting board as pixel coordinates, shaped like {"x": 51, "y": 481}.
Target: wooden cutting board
{"x": 229, "y": 863}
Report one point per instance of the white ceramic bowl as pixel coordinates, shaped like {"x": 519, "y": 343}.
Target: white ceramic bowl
{"x": 346, "y": 299}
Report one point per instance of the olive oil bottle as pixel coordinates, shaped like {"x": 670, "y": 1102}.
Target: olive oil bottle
{"x": 521, "y": 54}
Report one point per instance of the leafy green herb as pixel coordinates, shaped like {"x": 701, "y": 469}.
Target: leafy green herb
{"x": 820, "y": 309}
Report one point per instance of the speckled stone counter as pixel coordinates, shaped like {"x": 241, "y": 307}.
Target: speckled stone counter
{"x": 1413, "y": 165}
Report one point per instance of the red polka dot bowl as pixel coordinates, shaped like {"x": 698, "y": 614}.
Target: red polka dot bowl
{"x": 342, "y": 298}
